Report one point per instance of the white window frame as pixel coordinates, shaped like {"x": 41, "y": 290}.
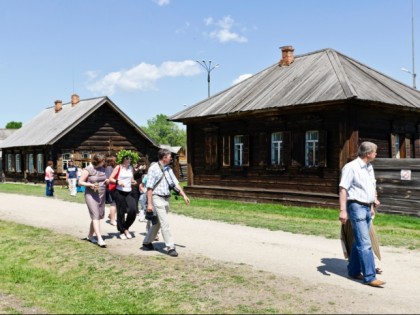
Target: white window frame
{"x": 311, "y": 148}
{"x": 238, "y": 150}
{"x": 31, "y": 163}
{"x": 9, "y": 162}
{"x": 65, "y": 158}
{"x": 276, "y": 148}
{"x": 18, "y": 168}
{"x": 40, "y": 163}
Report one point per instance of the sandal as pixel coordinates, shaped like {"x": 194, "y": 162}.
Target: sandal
{"x": 89, "y": 239}
{"x": 378, "y": 270}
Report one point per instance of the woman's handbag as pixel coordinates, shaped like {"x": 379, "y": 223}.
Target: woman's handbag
{"x": 113, "y": 186}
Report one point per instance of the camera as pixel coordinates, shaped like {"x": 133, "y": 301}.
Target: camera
{"x": 150, "y": 216}
{"x": 174, "y": 188}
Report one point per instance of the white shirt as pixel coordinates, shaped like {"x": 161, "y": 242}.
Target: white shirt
{"x": 124, "y": 177}
{"x": 358, "y": 178}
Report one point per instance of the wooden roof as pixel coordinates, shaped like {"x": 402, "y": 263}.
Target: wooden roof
{"x": 321, "y": 76}
{"x": 48, "y": 126}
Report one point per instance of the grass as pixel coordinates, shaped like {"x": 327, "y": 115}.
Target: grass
{"x": 45, "y": 272}
{"x": 392, "y": 230}
{"x": 56, "y": 274}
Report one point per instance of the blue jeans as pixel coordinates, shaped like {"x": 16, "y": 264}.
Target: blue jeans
{"x": 361, "y": 258}
{"x": 49, "y": 188}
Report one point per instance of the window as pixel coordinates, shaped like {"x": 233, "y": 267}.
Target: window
{"x": 66, "y": 157}
{"x": 238, "y": 147}
{"x": 397, "y": 146}
{"x": 276, "y": 148}
{"x": 311, "y": 148}
{"x": 39, "y": 163}
{"x": 9, "y": 163}
{"x": 31, "y": 163}
{"x": 17, "y": 163}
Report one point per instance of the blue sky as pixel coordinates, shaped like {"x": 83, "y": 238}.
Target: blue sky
{"x": 142, "y": 53}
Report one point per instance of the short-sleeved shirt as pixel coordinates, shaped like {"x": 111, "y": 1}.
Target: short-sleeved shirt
{"x": 358, "y": 178}
{"x": 155, "y": 173}
{"x": 72, "y": 171}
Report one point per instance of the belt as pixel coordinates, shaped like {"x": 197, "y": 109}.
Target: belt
{"x": 361, "y": 203}
{"x": 163, "y": 196}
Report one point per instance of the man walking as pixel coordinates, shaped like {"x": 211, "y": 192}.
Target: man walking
{"x": 358, "y": 197}
{"x": 160, "y": 178}
{"x": 71, "y": 178}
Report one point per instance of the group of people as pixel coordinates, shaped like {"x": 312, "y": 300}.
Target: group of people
{"x": 124, "y": 200}
{"x": 357, "y": 198}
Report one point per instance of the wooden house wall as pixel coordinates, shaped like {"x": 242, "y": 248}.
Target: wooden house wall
{"x": 346, "y": 127}
{"x": 104, "y": 131}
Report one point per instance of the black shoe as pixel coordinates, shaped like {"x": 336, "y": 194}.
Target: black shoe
{"x": 173, "y": 253}
{"x": 148, "y": 246}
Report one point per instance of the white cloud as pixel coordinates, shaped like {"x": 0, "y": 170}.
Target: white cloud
{"x": 223, "y": 33}
{"x": 241, "y": 78}
{"x": 161, "y": 3}
{"x": 140, "y": 77}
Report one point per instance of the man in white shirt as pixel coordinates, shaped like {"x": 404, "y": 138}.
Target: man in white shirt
{"x": 358, "y": 198}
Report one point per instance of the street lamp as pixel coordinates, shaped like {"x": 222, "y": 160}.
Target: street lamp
{"x": 208, "y": 68}
{"x": 413, "y": 74}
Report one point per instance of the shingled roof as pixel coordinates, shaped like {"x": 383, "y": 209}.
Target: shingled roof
{"x": 321, "y": 76}
{"x": 48, "y": 126}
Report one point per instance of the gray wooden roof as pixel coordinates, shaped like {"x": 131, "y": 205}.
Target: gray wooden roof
{"x": 48, "y": 127}
{"x": 321, "y": 76}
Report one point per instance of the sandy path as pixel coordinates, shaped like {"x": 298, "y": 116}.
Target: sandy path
{"x": 315, "y": 260}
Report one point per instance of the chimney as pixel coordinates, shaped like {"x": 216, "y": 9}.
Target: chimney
{"x": 58, "y": 105}
{"x": 287, "y": 56}
{"x": 74, "y": 99}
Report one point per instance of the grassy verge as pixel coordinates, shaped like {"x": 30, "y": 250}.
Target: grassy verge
{"x": 57, "y": 274}
{"x": 393, "y": 230}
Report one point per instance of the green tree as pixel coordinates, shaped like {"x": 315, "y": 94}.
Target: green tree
{"x": 164, "y": 131}
{"x": 13, "y": 125}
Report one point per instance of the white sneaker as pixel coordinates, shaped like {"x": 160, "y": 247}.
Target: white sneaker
{"x": 128, "y": 235}
{"x": 123, "y": 236}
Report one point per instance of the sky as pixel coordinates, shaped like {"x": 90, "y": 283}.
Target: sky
{"x": 143, "y": 54}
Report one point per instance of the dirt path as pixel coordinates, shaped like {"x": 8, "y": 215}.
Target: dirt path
{"x": 314, "y": 260}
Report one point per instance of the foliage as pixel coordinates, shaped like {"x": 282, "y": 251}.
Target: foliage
{"x": 164, "y": 131}
{"x": 13, "y": 125}
{"x": 121, "y": 154}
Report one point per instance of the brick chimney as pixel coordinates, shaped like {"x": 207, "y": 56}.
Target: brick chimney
{"x": 58, "y": 105}
{"x": 75, "y": 99}
{"x": 287, "y": 56}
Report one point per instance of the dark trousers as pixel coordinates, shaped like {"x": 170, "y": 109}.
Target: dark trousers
{"x": 125, "y": 203}
{"x": 135, "y": 192}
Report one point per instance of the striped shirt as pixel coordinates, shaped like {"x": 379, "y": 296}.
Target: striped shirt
{"x": 154, "y": 174}
{"x": 358, "y": 178}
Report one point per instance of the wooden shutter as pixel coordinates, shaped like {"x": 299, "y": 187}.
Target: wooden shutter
{"x": 226, "y": 151}
{"x": 246, "y": 149}
{"x": 286, "y": 158}
{"x": 417, "y": 143}
{"x": 298, "y": 149}
{"x": 211, "y": 143}
{"x": 393, "y": 151}
{"x": 407, "y": 145}
{"x": 264, "y": 148}
{"x": 322, "y": 147}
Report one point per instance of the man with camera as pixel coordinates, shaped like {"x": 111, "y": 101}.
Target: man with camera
{"x": 160, "y": 179}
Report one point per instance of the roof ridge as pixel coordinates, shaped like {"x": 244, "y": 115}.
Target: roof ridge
{"x": 341, "y": 74}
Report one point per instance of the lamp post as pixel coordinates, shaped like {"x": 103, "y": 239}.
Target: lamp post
{"x": 413, "y": 73}
{"x": 208, "y": 68}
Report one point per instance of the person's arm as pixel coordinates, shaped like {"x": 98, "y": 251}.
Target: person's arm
{"x": 149, "y": 200}
{"x": 183, "y": 194}
{"x": 83, "y": 178}
{"x": 112, "y": 178}
{"x": 343, "y": 205}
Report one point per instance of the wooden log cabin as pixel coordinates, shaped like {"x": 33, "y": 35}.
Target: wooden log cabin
{"x": 284, "y": 134}
{"x": 76, "y": 131}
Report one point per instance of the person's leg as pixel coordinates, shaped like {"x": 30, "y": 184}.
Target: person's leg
{"x": 97, "y": 230}
{"x": 361, "y": 258}
{"x": 72, "y": 184}
{"x": 121, "y": 205}
{"x": 162, "y": 210}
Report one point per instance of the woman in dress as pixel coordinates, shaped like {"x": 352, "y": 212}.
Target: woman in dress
{"x": 94, "y": 179}
{"x": 110, "y": 195}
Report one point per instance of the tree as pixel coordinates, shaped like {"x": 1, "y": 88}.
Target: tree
{"x": 164, "y": 131}
{"x": 13, "y": 125}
